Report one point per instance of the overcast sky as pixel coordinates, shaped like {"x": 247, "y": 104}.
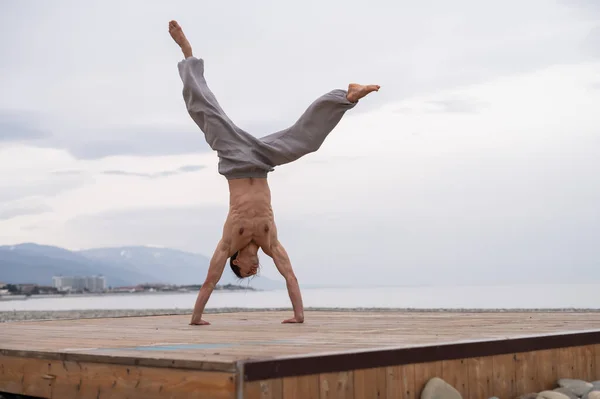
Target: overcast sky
{"x": 477, "y": 161}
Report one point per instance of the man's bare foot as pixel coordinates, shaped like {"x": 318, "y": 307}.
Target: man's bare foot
{"x": 199, "y": 323}
{"x": 356, "y": 91}
{"x": 177, "y": 35}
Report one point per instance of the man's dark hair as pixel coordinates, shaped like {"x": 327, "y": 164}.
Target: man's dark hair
{"x": 235, "y": 268}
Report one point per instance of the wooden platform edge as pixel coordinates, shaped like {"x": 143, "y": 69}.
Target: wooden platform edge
{"x": 200, "y": 365}
{"x": 43, "y": 378}
{"x": 336, "y": 362}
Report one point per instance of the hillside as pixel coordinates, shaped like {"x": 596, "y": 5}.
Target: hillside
{"x": 124, "y": 266}
{"x": 164, "y": 264}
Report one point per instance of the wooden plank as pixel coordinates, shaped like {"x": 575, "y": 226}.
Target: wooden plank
{"x": 56, "y": 379}
{"x": 547, "y": 369}
{"x": 370, "y": 383}
{"x": 301, "y": 387}
{"x": 33, "y": 378}
{"x": 481, "y": 377}
{"x": 424, "y": 372}
{"x": 526, "y": 373}
{"x": 565, "y": 363}
{"x": 596, "y": 368}
{"x": 456, "y": 373}
{"x": 400, "y": 382}
{"x": 584, "y": 362}
{"x": 337, "y": 385}
{"x": 504, "y": 376}
{"x": 266, "y": 389}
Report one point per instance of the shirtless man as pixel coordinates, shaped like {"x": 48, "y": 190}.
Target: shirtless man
{"x": 245, "y": 161}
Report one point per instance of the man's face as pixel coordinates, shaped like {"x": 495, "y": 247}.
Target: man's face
{"x": 248, "y": 264}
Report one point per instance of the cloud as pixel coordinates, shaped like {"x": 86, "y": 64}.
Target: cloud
{"x": 124, "y": 98}
{"x": 67, "y": 172}
{"x": 458, "y": 105}
{"x": 39, "y": 188}
{"x": 166, "y": 173}
{"x": 592, "y": 41}
{"x": 139, "y": 141}
{"x": 19, "y": 126}
{"x": 449, "y": 105}
{"x": 9, "y": 212}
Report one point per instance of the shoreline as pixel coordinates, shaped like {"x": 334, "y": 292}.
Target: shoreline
{"x": 46, "y": 315}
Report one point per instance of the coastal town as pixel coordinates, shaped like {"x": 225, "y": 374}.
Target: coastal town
{"x": 78, "y": 285}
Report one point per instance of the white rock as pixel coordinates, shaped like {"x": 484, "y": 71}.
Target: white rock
{"x": 567, "y": 392}
{"x": 592, "y": 395}
{"x": 578, "y": 387}
{"x": 551, "y": 395}
{"x": 436, "y": 388}
{"x": 530, "y": 395}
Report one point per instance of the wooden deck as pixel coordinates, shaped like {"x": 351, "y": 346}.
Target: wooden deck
{"x": 253, "y": 353}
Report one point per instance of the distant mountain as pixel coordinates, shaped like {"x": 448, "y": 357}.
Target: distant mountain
{"x": 33, "y": 263}
{"x": 124, "y": 266}
{"x": 164, "y": 264}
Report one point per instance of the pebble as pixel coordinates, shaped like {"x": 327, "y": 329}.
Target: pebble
{"x": 568, "y": 388}
{"x": 436, "y": 388}
{"x": 531, "y": 395}
{"x": 567, "y": 392}
{"x": 594, "y": 394}
{"x": 551, "y": 395}
{"x": 578, "y": 387}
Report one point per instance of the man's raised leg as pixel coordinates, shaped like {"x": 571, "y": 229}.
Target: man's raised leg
{"x": 312, "y": 128}
{"x": 220, "y": 132}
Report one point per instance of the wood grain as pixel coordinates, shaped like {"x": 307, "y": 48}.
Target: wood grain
{"x": 456, "y": 373}
{"x": 481, "y": 377}
{"x": 337, "y": 385}
{"x": 526, "y": 373}
{"x": 268, "y": 389}
{"x": 370, "y": 383}
{"x": 400, "y": 382}
{"x": 301, "y": 387}
{"x": 505, "y": 376}
{"x": 56, "y": 379}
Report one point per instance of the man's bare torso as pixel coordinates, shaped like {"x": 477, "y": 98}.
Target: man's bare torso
{"x": 250, "y": 217}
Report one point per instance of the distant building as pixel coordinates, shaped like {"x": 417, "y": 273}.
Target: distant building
{"x": 79, "y": 283}
{"x": 26, "y": 288}
{"x": 2, "y": 285}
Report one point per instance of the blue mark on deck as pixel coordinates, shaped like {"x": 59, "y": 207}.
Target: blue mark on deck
{"x": 177, "y": 347}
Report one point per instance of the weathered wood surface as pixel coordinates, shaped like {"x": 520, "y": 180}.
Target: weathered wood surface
{"x": 239, "y": 336}
{"x": 502, "y": 376}
{"x": 80, "y": 380}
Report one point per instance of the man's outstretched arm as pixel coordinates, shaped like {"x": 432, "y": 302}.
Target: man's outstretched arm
{"x": 215, "y": 271}
{"x": 283, "y": 264}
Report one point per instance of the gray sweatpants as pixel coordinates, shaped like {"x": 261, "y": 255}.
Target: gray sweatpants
{"x": 243, "y": 155}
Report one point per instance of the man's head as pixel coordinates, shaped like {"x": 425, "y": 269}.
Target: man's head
{"x": 244, "y": 262}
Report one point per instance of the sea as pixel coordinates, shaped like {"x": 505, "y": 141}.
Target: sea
{"x": 520, "y": 297}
